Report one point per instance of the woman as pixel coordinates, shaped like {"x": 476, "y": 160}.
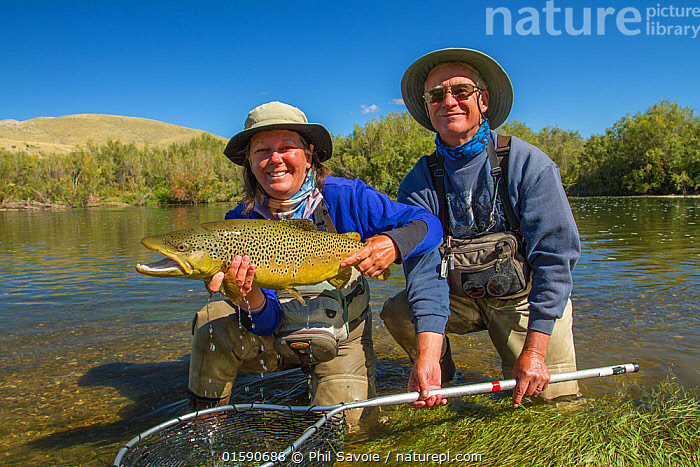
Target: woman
{"x": 282, "y": 156}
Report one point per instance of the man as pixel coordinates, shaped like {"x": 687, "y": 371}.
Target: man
{"x": 463, "y": 94}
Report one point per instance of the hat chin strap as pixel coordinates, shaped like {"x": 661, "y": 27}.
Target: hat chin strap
{"x": 481, "y": 114}
{"x": 478, "y": 103}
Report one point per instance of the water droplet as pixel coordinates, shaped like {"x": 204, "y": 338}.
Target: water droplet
{"x": 212, "y": 347}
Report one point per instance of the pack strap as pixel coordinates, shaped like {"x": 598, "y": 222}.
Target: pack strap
{"x": 322, "y": 219}
{"x": 436, "y": 167}
{"x": 498, "y": 159}
{"x": 352, "y": 325}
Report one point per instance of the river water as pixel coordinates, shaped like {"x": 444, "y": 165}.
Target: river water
{"x": 93, "y": 353}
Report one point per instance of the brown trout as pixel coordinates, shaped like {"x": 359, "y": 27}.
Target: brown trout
{"x": 287, "y": 253}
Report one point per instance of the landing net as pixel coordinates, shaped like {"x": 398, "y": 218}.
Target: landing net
{"x": 238, "y": 435}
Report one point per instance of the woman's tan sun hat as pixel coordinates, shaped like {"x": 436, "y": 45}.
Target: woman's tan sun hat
{"x": 279, "y": 116}
{"x": 497, "y": 83}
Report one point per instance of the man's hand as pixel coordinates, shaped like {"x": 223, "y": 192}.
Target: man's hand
{"x": 426, "y": 374}
{"x": 375, "y": 257}
{"x": 530, "y": 370}
{"x": 242, "y": 273}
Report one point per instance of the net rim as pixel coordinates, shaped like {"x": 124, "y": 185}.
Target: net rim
{"x": 326, "y": 411}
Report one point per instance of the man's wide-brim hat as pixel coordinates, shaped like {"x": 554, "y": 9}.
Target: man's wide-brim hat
{"x": 497, "y": 83}
{"x": 279, "y": 116}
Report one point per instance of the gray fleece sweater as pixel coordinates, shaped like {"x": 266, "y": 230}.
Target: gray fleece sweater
{"x": 546, "y": 222}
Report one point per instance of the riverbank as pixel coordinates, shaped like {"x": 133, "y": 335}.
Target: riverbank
{"x": 36, "y": 205}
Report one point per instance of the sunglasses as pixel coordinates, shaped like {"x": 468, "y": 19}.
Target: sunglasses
{"x": 459, "y": 91}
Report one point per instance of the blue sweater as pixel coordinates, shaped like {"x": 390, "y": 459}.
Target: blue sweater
{"x": 546, "y": 222}
{"x": 354, "y": 206}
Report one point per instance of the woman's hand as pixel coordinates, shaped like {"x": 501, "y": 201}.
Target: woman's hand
{"x": 379, "y": 252}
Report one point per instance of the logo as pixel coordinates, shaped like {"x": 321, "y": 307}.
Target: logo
{"x": 553, "y": 20}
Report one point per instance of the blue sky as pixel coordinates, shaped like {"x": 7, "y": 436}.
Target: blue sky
{"x": 205, "y": 64}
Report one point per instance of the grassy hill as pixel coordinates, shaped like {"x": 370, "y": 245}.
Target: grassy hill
{"x": 61, "y": 134}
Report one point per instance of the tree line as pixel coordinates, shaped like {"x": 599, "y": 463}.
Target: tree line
{"x": 656, "y": 152}
{"x": 193, "y": 172}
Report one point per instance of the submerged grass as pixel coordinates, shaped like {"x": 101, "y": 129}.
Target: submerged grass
{"x": 660, "y": 428}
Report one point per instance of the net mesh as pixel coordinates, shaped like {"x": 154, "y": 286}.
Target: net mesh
{"x": 237, "y": 438}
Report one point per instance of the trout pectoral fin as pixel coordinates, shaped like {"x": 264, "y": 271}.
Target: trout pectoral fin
{"x": 231, "y": 291}
{"x": 342, "y": 279}
{"x": 295, "y": 293}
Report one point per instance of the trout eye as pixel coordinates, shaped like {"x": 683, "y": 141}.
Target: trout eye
{"x": 181, "y": 247}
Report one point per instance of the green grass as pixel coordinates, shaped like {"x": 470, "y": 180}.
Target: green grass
{"x": 660, "y": 428}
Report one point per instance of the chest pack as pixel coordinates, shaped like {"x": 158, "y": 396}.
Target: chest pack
{"x": 310, "y": 334}
{"x": 487, "y": 264}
